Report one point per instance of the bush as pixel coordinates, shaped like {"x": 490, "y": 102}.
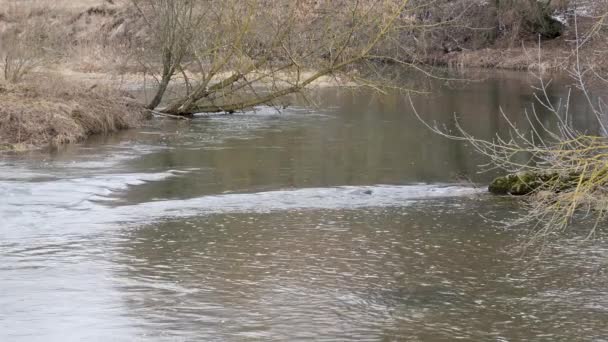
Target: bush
{"x": 29, "y": 42}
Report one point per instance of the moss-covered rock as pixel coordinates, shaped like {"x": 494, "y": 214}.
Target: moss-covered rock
{"x": 509, "y": 185}
{"x": 524, "y": 183}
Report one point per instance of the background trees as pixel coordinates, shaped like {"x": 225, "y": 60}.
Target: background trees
{"x": 172, "y": 26}
{"x": 223, "y": 51}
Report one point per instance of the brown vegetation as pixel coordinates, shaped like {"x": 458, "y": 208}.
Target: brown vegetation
{"x": 109, "y": 35}
{"x": 227, "y": 55}
{"x": 257, "y": 44}
{"x": 54, "y": 112}
{"x": 39, "y": 108}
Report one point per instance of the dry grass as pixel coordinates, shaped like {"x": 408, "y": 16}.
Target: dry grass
{"x": 52, "y": 112}
{"x": 557, "y": 55}
{"x": 510, "y": 59}
{"x": 44, "y": 109}
{"x": 72, "y": 6}
{"x": 99, "y": 36}
{"x": 88, "y": 36}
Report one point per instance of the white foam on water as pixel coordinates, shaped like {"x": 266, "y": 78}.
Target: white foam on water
{"x": 76, "y": 203}
{"x": 62, "y": 202}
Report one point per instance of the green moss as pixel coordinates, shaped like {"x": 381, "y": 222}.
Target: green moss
{"x": 511, "y": 185}
{"x": 525, "y": 183}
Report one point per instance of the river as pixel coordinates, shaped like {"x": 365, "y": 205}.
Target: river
{"x": 342, "y": 220}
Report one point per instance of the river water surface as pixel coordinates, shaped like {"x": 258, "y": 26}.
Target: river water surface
{"x": 347, "y": 220}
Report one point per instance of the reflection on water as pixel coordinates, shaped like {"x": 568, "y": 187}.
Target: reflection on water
{"x": 345, "y": 222}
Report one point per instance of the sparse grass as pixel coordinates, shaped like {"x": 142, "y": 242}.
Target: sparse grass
{"x": 90, "y": 35}
{"x": 73, "y": 6}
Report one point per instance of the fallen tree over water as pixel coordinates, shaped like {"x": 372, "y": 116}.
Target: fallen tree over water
{"x": 231, "y": 55}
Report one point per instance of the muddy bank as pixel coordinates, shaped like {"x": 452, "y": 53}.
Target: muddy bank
{"x": 521, "y": 59}
{"x": 526, "y": 52}
{"x": 555, "y": 56}
{"x": 51, "y": 112}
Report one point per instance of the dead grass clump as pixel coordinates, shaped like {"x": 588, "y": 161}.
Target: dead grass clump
{"x": 55, "y": 113}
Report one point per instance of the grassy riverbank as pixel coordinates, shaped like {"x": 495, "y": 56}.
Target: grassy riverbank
{"x": 99, "y": 36}
{"x": 52, "y": 112}
{"x": 100, "y": 46}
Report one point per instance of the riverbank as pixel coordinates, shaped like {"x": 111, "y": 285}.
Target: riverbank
{"x": 554, "y": 55}
{"x": 102, "y": 37}
{"x": 51, "y": 112}
{"x": 517, "y": 59}
{"x": 98, "y": 45}
{"x": 65, "y": 105}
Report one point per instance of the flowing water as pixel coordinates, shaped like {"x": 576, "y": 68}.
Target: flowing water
{"x": 347, "y": 220}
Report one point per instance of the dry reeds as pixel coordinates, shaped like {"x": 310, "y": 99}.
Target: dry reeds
{"x": 55, "y": 112}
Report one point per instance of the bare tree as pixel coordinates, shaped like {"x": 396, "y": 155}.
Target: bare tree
{"x": 237, "y": 54}
{"x": 563, "y": 171}
{"x": 172, "y": 25}
{"x": 27, "y": 44}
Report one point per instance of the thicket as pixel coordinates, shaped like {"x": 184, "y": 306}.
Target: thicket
{"x": 561, "y": 171}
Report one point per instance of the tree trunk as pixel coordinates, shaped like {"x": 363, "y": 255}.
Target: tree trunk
{"x": 168, "y": 71}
